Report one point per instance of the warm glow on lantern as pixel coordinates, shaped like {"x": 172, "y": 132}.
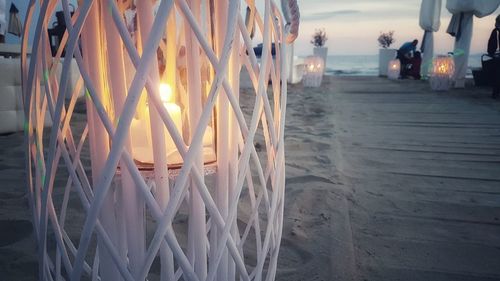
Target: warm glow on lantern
{"x": 314, "y": 64}
{"x": 142, "y": 137}
{"x": 443, "y": 65}
{"x": 141, "y": 130}
{"x": 165, "y": 92}
{"x": 154, "y": 73}
{"x": 443, "y": 68}
{"x": 393, "y": 69}
{"x": 173, "y": 109}
{"x": 314, "y": 68}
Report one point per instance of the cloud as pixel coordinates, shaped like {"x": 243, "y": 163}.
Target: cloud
{"x": 327, "y": 15}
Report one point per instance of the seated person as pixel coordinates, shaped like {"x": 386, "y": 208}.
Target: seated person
{"x": 405, "y": 54}
{"x": 494, "y": 52}
{"x": 414, "y": 66}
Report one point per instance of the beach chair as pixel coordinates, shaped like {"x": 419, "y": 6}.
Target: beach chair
{"x": 11, "y": 103}
{"x": 488, "y": 63}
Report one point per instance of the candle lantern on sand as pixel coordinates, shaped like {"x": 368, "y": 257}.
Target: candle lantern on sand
{"x": 313, "y": 71}
{"x": 158, "y": 164}
{"x": 441, "y": 76}
{"x": 393, "y": 69}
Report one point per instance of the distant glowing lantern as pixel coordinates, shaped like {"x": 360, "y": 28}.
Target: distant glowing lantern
{"x": 313, "y": 71}
{"x": 167, "y": 137}
{"x": 393, "y": 69}
{"x": 441, "y": 76}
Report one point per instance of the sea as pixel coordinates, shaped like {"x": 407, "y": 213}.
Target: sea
{"x": 367, "y": 65}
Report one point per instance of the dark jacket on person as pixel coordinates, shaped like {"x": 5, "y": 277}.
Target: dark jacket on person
{"x": 493, "y": 42}
{"x": 416, "y": 64}
{"x": 494, "y": 64}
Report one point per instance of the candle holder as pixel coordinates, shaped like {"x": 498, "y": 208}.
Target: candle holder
{"x": 313, "y": 71}
{"x": 441, "y": 76}
{"x": 158, "y": 164}
{"x": 393, "y": 69}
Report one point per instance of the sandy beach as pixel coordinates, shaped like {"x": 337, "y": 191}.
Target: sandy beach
{"x": 386, "y": 180}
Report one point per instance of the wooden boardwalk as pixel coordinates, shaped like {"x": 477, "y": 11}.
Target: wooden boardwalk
{"x": 424, "y": 169}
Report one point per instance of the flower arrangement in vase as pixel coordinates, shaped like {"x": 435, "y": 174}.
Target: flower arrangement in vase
{"x": 385, "y": 54}
{"x": 319, "y": 39}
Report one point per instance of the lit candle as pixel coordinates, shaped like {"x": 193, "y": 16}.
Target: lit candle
{"x": 208, "y": 137}
{"x": 141, "y": 132}
{"x": 140, "y": 138}
{"x": 175, "y": 113}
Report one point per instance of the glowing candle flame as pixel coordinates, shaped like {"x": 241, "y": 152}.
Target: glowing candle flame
{"x": 442, "y": 69}
{"x": 165, "y": 92}
{"x": 443, "y": 66}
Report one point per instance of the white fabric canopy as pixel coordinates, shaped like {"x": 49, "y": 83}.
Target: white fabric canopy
{"x": 465, "y": 10}
{"x": 480, "y": 8}
{"x": 430, "y": 12}
{"x": 3, "y": 17}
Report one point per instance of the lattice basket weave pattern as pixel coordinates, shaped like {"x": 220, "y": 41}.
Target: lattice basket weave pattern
{"x": 441, "y": 76}
{"x": 99, "y": 214}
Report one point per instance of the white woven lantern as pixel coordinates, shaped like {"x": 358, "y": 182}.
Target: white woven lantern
{"x": 393, "y": 69}
{"x": 174, "y": 175}
{"x": 441, "y": 77}
{"x": 313, "y": 71}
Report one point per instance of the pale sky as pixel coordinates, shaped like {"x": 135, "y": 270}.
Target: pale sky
{"x": 352, "y": 26}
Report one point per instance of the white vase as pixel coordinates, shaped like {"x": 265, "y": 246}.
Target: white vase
{"x": 321, "y": 52}
{"x": 384, "y": 56}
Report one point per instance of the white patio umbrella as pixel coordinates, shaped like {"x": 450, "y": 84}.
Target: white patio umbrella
{"x": 461, "y": 27}
{"x": 430, "y": 12}
{"x": 291, "y": 11}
